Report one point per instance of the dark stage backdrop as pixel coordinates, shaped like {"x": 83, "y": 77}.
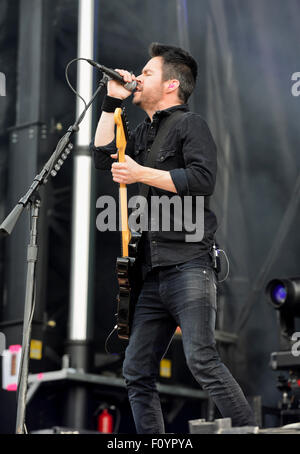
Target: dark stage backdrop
{"x": 247, "y": 53}
{"x": 8, "y": 55}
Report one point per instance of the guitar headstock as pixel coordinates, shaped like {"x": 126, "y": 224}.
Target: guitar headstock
{"x": 118, "y": 117}
{"x": 122, "y": 132}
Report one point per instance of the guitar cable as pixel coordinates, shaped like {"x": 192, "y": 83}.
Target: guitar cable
{"x": 108, "y": 337}
{"x": 228, "y": 267}
{"x": 217, "y": 262}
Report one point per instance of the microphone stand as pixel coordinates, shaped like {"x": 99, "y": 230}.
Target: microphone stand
{"x": 52, "y": 167}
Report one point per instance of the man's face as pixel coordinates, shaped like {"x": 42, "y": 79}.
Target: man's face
{"x": 150, "y": 85}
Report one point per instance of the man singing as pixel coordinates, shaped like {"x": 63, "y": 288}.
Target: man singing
{"x": 179, "y": 287}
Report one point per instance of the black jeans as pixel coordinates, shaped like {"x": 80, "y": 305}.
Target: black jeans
{"x": 183, "y": 295}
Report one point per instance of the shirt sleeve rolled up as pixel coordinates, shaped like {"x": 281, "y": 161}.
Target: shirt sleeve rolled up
{"x": 200, "y": 158}
{"x": 101, "y": 155}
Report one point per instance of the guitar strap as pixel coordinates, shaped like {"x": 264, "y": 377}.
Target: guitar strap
{"x": 164, "y": 128}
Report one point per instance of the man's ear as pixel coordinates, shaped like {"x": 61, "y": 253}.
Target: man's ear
{"x": 173, "y": 84}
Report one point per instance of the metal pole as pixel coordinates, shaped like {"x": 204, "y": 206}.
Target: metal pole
{"x": 79, "y": 334}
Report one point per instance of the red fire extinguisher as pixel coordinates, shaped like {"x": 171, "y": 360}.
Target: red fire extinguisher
{"x": 105, "y": 422}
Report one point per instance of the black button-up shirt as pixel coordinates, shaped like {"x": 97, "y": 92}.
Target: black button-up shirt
{"x": 189, "y": 154}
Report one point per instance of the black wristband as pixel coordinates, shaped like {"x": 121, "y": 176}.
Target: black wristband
{"x": 110, "y": 104}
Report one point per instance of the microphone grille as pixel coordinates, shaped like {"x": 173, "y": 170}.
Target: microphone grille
{"x": 130, "y": 86}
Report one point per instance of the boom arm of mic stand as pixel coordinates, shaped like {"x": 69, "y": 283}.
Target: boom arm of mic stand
{"x": 53, "y": 165}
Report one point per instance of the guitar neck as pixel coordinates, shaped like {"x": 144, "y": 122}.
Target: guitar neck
{"x": 126, "y": 234}
{"x": 121, "y": 139}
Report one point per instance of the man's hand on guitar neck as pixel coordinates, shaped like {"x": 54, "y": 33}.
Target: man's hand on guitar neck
{"x": 130, "y": 172}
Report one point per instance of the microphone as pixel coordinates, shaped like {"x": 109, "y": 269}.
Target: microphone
{"x": 130, "y": 86}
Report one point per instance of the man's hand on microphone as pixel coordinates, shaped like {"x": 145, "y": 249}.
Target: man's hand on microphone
{"x": 116, "y": 89}
{"x": 105, "y": 132}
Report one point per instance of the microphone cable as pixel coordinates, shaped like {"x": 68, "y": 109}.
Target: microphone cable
{"x": 68, "y": 80}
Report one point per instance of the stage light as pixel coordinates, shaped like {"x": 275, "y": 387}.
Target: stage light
{"x": 284, "y": 294}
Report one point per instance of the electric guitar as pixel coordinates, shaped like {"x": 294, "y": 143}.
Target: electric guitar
{"x": 129, "y": 274}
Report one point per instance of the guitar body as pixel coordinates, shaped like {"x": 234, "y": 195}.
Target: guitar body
{"x": 128, "y": 272}
{"x": 130, "y": 283}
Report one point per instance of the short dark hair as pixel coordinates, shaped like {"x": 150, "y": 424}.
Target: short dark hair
{"x": 177, "y": 64}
